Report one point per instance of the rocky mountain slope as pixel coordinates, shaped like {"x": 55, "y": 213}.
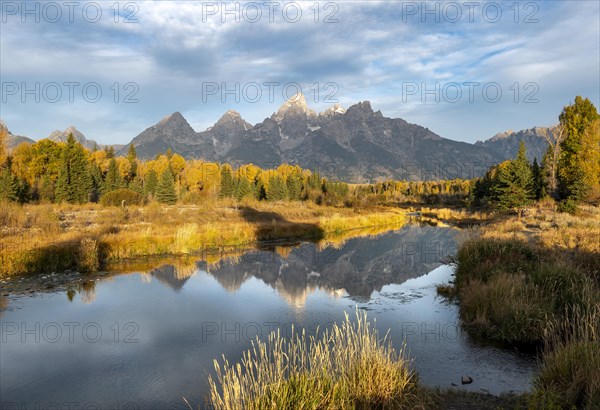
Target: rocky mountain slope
{"x": 507, "y": 143}
{"x": 14, "y": 140}
{"x": 61, "y": 136}
{"x": 357, "y": 144}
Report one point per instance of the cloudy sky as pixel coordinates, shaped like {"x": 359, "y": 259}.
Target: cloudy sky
{"x": 465, "y": 70}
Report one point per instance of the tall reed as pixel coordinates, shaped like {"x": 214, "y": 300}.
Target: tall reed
{"x": 348, "y": 366}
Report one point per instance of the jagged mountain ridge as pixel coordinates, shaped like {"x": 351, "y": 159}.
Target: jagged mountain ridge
{"x": 507, "y": 143}
{"x": 56, "y": 136}
{"x": 62, "y": 136}
{"x": 14, "y": 140}
{"x": 357, "y": 144}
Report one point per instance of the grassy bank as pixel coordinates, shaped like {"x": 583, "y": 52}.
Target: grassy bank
{"x": 536, "y": 281}
{"x": 42, "y": 238}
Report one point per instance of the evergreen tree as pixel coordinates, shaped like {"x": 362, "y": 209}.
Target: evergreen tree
{"x": 576, "y": 120}
{"x": 294, "y": 186}
{"x": 24, "y": 191}
{"x": 277, "y": 189}
{"x": 227, "y": 182}
{"x": 74, "y": 181}
{"x": 242, "y": 188}
{"x": 63, "y": 184}
{"x": 97, "y": 182}
{"x": 131, "y": 153}
{"x": 9, "y": 186}
{"x": 314, "y": 181}
{"x": 110, "y": 151}
{"x": 512, "y": 187}
{"x": 132, "y": 158}
{"x": 539, "y": 180}
{"x": 151, "y": 182}
{"x": 137, "y": 185}
{"x": 113, "y": 180}
{"x": 165, "y": 190}
{"x": 260, "y": 192}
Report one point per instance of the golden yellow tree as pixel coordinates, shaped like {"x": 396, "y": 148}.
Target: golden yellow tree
{"x": 3, "y": 145}
{"x": 590, "y": 160}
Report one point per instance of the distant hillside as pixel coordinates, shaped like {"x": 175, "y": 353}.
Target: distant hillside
{"x": 506, "y": 144}
{"x": 56, "y": 136}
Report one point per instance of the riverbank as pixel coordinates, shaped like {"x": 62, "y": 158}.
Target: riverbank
{"x": 534, "y": 282}
{"x": 89, "y": 238}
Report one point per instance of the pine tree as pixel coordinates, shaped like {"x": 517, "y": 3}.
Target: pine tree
{"x": 131, "y": 153}
{"x": 74, "y": 181}
{"x": 539, "y": 180}
{"x": 294, "y": 186}
{"x": 9, "y": 186}
{"x": 260, "y": 192}
{"x": 314, "y": 181}
{"x": 63, "y": 183}
{"x": 110, "y": 151}
{"x": 165, "y": 190}
{"x": 113, "y": 180}
{"x": 277, "y": 189}
{"x": 137, "y": 185}
{"x": 227, "y": 182}
{"x": 151, "y": 182}
{"x": 512, "y": 186}
{"x": 242, "y": 188}
{"x": 132, "y": 158}
{"x": 97, "y": 182}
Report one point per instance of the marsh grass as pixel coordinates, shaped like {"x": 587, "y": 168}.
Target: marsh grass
{"x": 346, "y": 367}
{"x": 509, "y": 290}
{"x": 535, "y": 281}
{"x": 41, "y": 238}
{"x": 570, "y": 372}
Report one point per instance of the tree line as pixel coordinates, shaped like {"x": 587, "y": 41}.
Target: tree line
{"x": 52, "y": 172}
{"x": 569, "y": 172}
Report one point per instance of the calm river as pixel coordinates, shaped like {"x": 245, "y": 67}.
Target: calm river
{"x": 148, "y": 339}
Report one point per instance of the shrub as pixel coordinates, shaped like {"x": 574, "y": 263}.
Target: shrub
{"x": 121, "y": 196}
{"x": 569, "y": 206}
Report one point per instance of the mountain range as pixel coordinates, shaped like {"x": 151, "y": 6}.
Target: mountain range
{"x": 356, "y": 144}
{"x": 56, "y": 136}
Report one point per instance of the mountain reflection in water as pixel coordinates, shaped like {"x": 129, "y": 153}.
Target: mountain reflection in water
{"x": 184, "y": 312}
{"x": 357, "y": 268}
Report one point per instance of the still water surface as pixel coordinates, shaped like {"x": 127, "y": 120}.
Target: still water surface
{"x": 147, "y": 339}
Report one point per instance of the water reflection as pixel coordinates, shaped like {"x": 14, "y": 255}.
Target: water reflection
{"x": 357, "y": 268}
{"x": 184, "y": 313}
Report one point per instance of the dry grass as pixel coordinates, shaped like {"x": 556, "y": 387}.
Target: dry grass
{"x": 570, "y": 373}
{"x": 535, "y": 280}
{"x": 347, "y": 367}
{"x": 36, "y": 238}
